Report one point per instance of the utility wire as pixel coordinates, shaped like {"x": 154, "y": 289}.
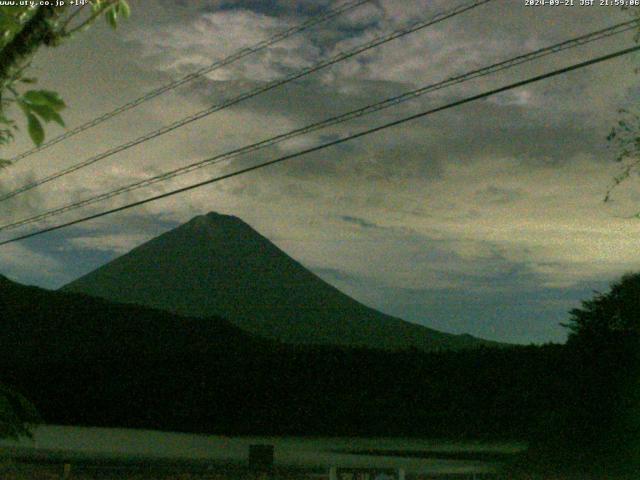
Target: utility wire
{"x": 369, "y": 109}
{"x": 234, "y": 57}
{"x": 250, "y": 94}
{"x": 401, "y": 121}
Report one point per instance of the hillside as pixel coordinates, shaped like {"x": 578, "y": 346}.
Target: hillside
{"x": 56, "y": 326}
{"x": 86, "y": 361}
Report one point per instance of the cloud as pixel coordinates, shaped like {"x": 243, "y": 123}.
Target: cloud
{"x": 29, "y": 266}
{"x": 358, "y": 222}
{"x": 493, "y": 194}
{"x": 335, "y": 274}
{"x": 200, "y": 40}
{"x": 113, "y": 243}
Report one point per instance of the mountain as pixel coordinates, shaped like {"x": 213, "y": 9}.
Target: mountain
{"x": 217, "y": 265}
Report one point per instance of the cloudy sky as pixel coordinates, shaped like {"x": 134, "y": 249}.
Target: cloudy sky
{"x": 487, "y": 218}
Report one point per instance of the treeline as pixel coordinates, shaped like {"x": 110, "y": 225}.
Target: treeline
{"x": 84, "y": 361}
{"x": 488, "y": 394}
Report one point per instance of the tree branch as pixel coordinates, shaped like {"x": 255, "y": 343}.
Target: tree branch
{"x": 109, "y": 4}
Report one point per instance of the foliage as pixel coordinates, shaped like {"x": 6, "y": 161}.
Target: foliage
{"x": 624, "y": 137}
{"x": 17, "y": 414}
{"x": 599, "y": 429}
{"x": 605, "y": 340}
{"x": 24, "y": 29}
{"x": 609, "y": 315}
{"x": 37, "y": 105}
{"x": 12, "y": 18}
{"x": 124, "y": 365}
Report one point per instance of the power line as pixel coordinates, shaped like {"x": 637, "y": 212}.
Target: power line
{"x": 234, "y": 57}
{"x": 366, "y": 110}
{"x": 250, "y": 94}
{"x": 457, "y": 103}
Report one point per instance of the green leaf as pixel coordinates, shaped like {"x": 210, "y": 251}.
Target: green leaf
{"x": 36, "y": 132}
{"x": 35, "y": 97}
{"x": 44, "y": 97}
{"x": 29, "y": 80}
{"x": 8, "y": 22}
{"x": 124, "y": 10}
{"x": 55, "y": 101}
{"x": 112, "y": 17}
{"x": 55, "y": 116}
{"x": 96, "y": 6}
{"x": 44, "y": 111}
{"x": 24, "y": 106}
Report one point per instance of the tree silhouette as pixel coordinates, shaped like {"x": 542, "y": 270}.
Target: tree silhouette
{"x": 17, "y": 414}
{"x": 604, "y": 347}
{"x": 609, "y": 316}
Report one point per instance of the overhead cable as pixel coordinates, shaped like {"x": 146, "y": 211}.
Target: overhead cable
{"x": 414, "y": 27}
{"x": 323, "y": 146}
{"x": 360, "y": 112}
{"x": 234, "y": 57}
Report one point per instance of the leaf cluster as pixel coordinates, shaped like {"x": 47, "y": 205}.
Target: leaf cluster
{"x": 12, "y": 19}
{"x": 39, "y": 106}
{"x": 624, "y": 139}
{"x": 43, "y": 106}
{"x": 113, "y": 10}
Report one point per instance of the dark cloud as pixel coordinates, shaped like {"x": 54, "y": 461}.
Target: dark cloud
{"x": 493, "y": 194}
{"x": 358, "y": 222}
{"x": 332, "y": 275}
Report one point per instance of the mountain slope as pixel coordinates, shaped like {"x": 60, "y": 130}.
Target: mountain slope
{"x": 218, "y": 265}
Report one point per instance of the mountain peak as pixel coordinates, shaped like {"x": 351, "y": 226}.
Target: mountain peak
{"x": 214, "y": 219}
{"x": 218, "y": 215}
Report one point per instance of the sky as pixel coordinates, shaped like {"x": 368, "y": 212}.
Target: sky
{"x": 485, "y": 219}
